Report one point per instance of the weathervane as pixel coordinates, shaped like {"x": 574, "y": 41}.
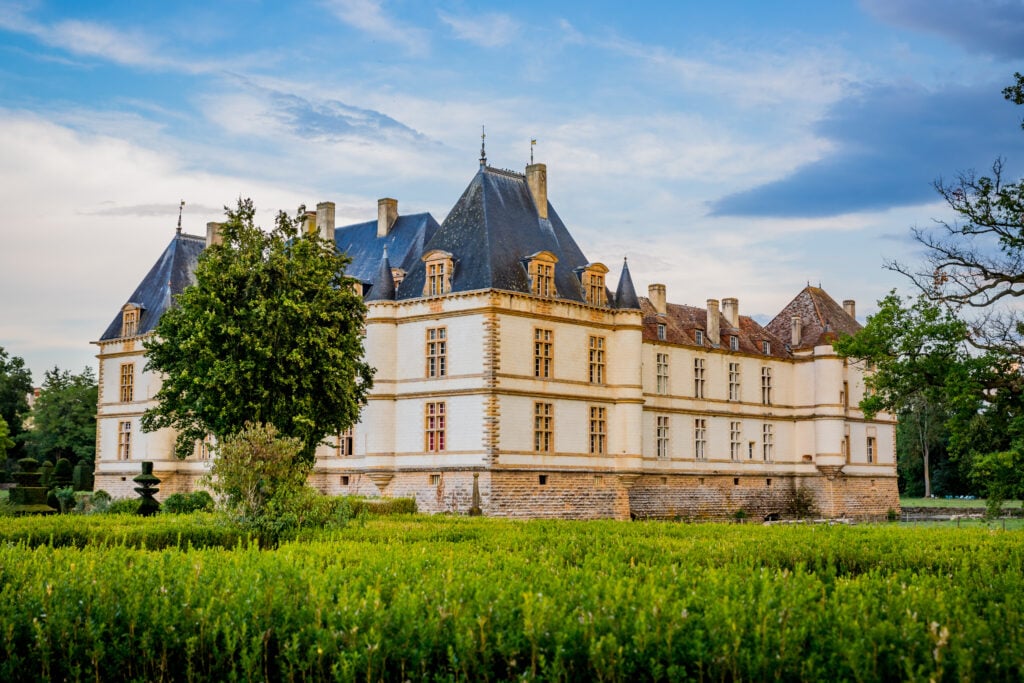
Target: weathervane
{"x": 533, "y": 143}
{"x": 181, "y": 208}
{"x": 483, "y": 153}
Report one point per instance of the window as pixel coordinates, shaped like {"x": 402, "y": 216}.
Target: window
{"x": 844, "y": 395}
{"x": 700, "y": 426}
{"x": 541, "y": 268}
{"x": 435, "y": 479}
{"x": 542, "y": 479}
{"x": 698, "y": 336}
{"x": 766, "y": 347}
{"x": 435, "y": 426}
{"x": 437, "y": 351}
{"x": 750, "y": 450}
{"x": 543, "y": 352}
{"x": 734, "y": 381}
{"x": 735, "y": 444}
{"x": 543, "y": 432}
{"x": 662, "y": 370}
{"x": 439, "y": 272}
{"x": 698, "y": 378}
{"x": 124, "y": 440}
{"x": 397, "y": 274}
{"x": 661, "y": 331}
{"x": 204, "y": 446}
{"x": 734, "y": 343}
{"x": 129, "y": 321}
{"x": 871, "y": 449}
{"x": 663, "y": 436}
{"x": 127, "y": 382}
{"x": 766, "y": 386}
{"x": 598, "y": 429}
{"x": 767, "y": 442}
{"x": 597, "y": 360}
{"x": 593, "y": 284}
{"x": 346, "y": 440}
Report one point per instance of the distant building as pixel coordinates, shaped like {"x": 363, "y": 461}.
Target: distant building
{"x": 505, "y": 361}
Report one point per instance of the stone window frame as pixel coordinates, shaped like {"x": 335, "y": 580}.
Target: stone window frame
{"x": 768, "y": 442}
{"x": 592, "y": 281}
{"x": 124, "y": 440}
{"x": 543, "y": 353}
{"x": 734, "y": 343}
{"x": 598, "y": 430}
{"x": 661, "y": 366}
{"x": 436, "y": 352}
{"x": 699, "y": 371}
{"x": 766, "y": 385}
{"x": 596, "y": 351}
{"x": 131, "y": 314}
{"x": 204, "y": 447}
{"x": 700, "y": 438}
{"x": 870, "y": 449}
{"x": 698, "y": 337}
{"x": 543, "y": 427}
{"x": 540, "y": 268}
{"x": 127, "y": 386}
{"x": 345, "y": 444}
{"x": 438, "y": 266}
{"x": 435, "y": 426}
{"x": 766, "y": 347}
{"x": 734, "y": 381}
{"x": 663, "y": 432}
{"x": 735, "y": 440}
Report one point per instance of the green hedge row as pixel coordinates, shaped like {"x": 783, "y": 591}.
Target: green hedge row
{"x": 469, "y": 599}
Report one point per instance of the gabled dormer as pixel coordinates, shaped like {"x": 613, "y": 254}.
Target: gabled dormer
{"x": 439, "y": 265}
{"x": 131, "y": 314}
{"x": 592, "y": 283}
{"x": 540, "y": 268}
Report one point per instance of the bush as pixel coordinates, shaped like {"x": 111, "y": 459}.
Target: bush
{"x": 120, "y": 506}
{"x": 100, "y": 501}
{"x": 186, "y": 503}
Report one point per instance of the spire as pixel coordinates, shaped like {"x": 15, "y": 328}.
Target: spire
{"x": 384, "y": 284}
{"x": 483, "y": 152}
{"x": 625, "y": 293}
{"x": 533, "y": 143}
{"x": 181, "y": 207}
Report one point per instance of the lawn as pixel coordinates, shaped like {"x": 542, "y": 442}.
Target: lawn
{"x": 951, "y": 503}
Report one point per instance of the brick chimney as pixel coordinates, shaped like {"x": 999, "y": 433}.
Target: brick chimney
{"x": 713, "y": 331}
{"x": 325, "y": 220}
{"x": 731, "y": 311}
{"x": 537, "y": 180}
{"x": 387, "y": 214}
{"x": 656, "y": 293}
{"x": 796, "y": 331}
{"x": 213, "y": 235}
{"x": 850, "y": 306}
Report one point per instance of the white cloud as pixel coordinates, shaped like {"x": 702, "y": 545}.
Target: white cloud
{"x": 369, "y": 17}
{"x": 487, "y": 30}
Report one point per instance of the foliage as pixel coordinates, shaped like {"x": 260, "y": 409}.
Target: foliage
{"x": 15, "y": 386}
{"x": 452, "y": 598}
{"x": 123, "y": 506}
{"x": 64, "y": 417}
{"x": 65, "y": 496}
{"x": 187, "y": 503}
{"x": 801, "y": 505}
{"x": 6, "y": 442}
{"x": 271, "y": 332}
{"x": 1001, "y": 476}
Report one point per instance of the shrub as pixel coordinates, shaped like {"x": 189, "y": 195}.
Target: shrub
{"x": 186, "y": 503}
{"x": 120, "y": 506}
{"x": 100, "y": 501}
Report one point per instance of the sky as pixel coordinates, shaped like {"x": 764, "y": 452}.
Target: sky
{"x": 728, "y": 149}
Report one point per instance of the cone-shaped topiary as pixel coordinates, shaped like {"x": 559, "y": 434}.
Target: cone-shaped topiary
{"x": 147, "y": 490}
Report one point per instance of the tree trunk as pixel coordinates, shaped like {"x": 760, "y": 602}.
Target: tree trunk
{"x": 927, "y": 477}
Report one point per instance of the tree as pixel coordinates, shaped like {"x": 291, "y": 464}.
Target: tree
{"x": 917, "y": 357}
{"x": 15, "y": 386}
{"x": 64, "y": 417}
{"x": 6, "y": 442}
{"x": 271, "y": 332}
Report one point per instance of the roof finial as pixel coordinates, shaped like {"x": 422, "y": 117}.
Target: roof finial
{"x": 533, "y": 142}
{"x": 483, "y": 152}
{"x": 181, "y": 207}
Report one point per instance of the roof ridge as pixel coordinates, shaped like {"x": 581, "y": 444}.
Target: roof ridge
{"x": 506, "y": 172}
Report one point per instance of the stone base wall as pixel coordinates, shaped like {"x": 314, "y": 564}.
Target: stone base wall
{"x": 120, "y": 484}
{"x": 563, "y": 495}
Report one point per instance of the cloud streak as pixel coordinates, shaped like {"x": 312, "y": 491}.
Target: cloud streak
{"x": 980, "y": 26}
{"x": 369, "y": 17}
{"x": 490, "y": 30}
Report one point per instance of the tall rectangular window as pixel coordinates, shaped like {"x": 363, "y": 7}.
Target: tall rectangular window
{"x": 767, "y": 443}
{"x": 734, "y": 343}
{"x": 698, "y": 378}
{"x": 129, "y": 322}
{"x": 434, "y": 426}
{"x": 436, "y": 278}
{"x": 735, "y": 440}
{"x": 662, "y": 370}
{"x": 124, "y": 440}
{"x": 437, "y": 351}
{"x": 766, "y": 347}
{"x": 698, "y": 337}
{"x": 346, "y": 441}
{"x": 663, "y": 443}
{"x": 844, "y": 395}
{"x": 127, "y": 382}
{"x": 734, "y": 381}
{"x": 597, "y": 360}
{"x": 595, "y": 290}
{"x": 598, "y": 429}
{"x": 661, "y": 331}
{"x": 543, "y": 352}
{"x": 766, "y": 386}
{"x": 871, "y": 449}
{"x": 700, "y": 427}
{"x": 543, "y": 427}
{"x": 543, "y": 278}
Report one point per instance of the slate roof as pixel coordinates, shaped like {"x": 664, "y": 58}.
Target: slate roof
{"x": 822, "y": 319}
{"x": 490, "y": 231}
{"x": 682, "y": 321}
{"x": 404, "y": 243}
{"x": 172, "y": 273}
{"x": 625, "y": 293}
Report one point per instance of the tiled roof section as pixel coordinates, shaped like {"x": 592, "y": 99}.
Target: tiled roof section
{"x": 404, "y": 243}
{"x": 682, "y": 321}
{"x": 489, "y": 232}
{"x": 822, "y": 319}
{"x": 172, "y": 273}
{"x": 625, "y": 293}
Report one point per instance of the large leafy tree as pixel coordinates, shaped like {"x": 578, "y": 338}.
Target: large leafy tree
{"x": 64, "y": 417}
{"x": 15, "y": 386}
{"x": 271, "y": 332}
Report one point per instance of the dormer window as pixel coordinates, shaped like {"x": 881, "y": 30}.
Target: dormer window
{"x": 593, "y": 284}
{"x": 698, "y": 336}
{"x": 766, "y": 347}
{"x": 130, "y": 314}
{"x": 541, "y": 268}
{"x": 397, "y": 274}
{"x": 734, "y": 343}
{"x": 661, "y": 331}
{"x": 439, "y": 273}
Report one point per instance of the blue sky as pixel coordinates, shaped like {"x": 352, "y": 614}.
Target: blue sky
{"x": 743, "y": 149}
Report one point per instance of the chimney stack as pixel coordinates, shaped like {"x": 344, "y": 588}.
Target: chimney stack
{"x": 387, "y": 214}
{"x": 213, "y": 235}
{"x": 796, "y": 331}
{"x": 656, "y": 293}
{"x": 309, "y": 222}
{"x": 850, "y": 306}
{"x": 325, "y": 220}
{"x": 731, "y": 311}
{"x": 714, "y": 333}
{"x": 537, "y": 180}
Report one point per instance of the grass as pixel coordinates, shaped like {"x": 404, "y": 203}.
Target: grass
{"x": 951, "y": 503}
